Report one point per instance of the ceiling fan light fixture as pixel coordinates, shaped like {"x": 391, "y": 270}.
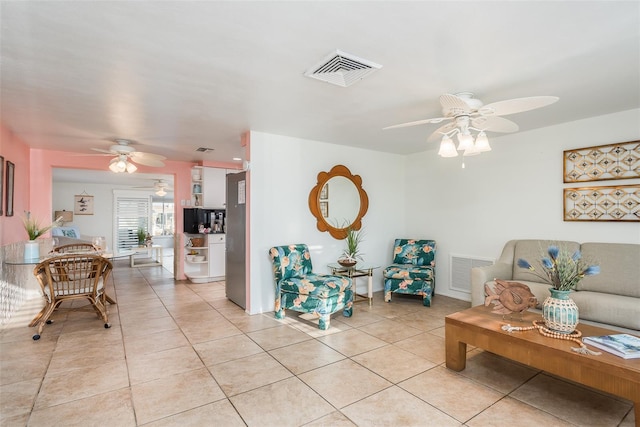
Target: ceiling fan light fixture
{"x": 467, "y": 113}
{"x": 117, "y": 165}
{"x": 447, "y": 147}
{"x": 161, "y": 192}
{"x": 121, "y": 164}
{"x": 482, "y": 143}
{"x": 465, "y": 141}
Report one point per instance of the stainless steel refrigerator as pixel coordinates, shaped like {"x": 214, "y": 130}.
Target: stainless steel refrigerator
{"x": 235, "y": 285}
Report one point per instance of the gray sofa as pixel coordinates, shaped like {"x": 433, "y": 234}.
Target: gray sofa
{"x": 609, "y": 299}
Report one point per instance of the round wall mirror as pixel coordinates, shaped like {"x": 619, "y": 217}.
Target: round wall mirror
{"x": 338, "y": 201}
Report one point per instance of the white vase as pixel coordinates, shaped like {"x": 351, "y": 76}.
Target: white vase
{"x": 32, "y": 250}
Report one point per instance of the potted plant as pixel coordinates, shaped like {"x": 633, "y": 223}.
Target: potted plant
{"x": 142, "y": 235}
{"x": 351, "y": 254}
{"x": 563, "y": 271}
{"x": 34, "y": 230}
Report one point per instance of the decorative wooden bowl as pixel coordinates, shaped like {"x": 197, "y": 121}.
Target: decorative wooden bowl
{"x": 346, "y": 263}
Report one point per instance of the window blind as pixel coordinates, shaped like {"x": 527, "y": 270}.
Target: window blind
{"x": 132, "y": 213}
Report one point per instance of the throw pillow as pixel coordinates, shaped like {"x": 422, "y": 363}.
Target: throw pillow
{"x": 70, "y": 233}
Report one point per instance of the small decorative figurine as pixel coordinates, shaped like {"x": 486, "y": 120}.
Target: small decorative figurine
{"x": 509, "y": 297}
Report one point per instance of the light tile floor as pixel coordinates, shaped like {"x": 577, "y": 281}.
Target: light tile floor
{"x": 180, "y": 354}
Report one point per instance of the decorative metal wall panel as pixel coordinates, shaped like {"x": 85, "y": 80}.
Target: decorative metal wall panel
{"x": 615, "y": 203}
{"x": 602, "y": 162}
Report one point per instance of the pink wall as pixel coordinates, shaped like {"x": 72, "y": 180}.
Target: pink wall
{"x": 43, "y": 161}
{"x": 34, "y": 185}
{"x": 16, "y": 151}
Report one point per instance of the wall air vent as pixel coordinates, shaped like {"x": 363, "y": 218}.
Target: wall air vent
{"x": 342, "y": 69}
{"x": 460, "y": 269}
{"x": 204, "y": 149}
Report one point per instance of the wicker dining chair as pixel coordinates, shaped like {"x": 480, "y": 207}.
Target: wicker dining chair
{"x": 80, "y": 247}
{"x": 75, "y": 247}
{"x": 69, "y": 277}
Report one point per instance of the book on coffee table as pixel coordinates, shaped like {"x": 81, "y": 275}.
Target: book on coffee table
{"x": 623, "y": 345}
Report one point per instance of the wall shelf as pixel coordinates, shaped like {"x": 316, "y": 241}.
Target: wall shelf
{"x": 212, "y": 268}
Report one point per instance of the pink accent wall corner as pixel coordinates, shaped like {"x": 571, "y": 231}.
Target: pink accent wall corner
{"x": 16, "y": 151}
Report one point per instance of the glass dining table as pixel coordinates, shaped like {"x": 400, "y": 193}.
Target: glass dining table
{"x": 17, "y": 258}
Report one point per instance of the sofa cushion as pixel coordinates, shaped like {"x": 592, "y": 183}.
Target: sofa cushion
{"x": 533, "y": 251}
{"x": 619, "y": 268}
{"x": 610, "y": 309}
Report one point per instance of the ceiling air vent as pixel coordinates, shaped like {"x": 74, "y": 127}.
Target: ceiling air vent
{"x": 342, "y": 69}
{"x": 204, "y": 149}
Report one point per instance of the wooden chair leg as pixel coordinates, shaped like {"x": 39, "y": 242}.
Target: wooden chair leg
{"x": 43, "y": 318}
{"x": 36, "y": 319}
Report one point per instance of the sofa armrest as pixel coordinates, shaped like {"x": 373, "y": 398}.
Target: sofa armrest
{"x": 482, "y": 275}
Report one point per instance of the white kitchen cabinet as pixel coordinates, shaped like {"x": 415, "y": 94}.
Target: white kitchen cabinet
{"x": 216, "y": 256}
{"x": 214, "y": 188}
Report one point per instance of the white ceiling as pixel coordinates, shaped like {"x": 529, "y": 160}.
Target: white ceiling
{"x": 175, "y": 76}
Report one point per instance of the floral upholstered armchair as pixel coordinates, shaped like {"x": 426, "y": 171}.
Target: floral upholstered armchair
{"x": 413, "y": 270}
{"x": 299, "y": 289}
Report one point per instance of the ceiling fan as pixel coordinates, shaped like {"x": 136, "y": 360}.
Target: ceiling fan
{"x": 160, "y": 187}
{"x": 126, "y": 154}
{"x": 465, "y": 113}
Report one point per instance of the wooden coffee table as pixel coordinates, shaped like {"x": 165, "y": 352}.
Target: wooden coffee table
{"x": 479, "y": 327}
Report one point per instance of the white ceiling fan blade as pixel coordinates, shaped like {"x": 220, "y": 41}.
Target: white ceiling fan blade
{"x": 435, "y": 136}
{"x": 91, "y": 155}
{"x": 494, "y": 124}
{"x": 100, "y": 150}
{"x": 140, "y": 154}
{"x": 518, "y": 105}
{"x": 147, "y": 161}
{"x": 453, "y": 105}
{"x": 417, "y": 122}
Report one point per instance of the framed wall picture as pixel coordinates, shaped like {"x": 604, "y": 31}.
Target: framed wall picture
{"x": 1, "y": 185}
{"x": 602, "y": 162}
{"x": 10, "y": 174}
{"x": 324, "y": 208}
{"x": 614, "y": 203}
{"x": 83, "y": 205}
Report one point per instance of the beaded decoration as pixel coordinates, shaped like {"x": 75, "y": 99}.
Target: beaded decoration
{"x": 539, "y": 325}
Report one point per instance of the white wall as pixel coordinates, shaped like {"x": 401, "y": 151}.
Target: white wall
{"x": 101, "y": 222}
{"x": 98, "y": 224}
{"x": 283, "y": 172}
{"x": 512, "y": 192}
